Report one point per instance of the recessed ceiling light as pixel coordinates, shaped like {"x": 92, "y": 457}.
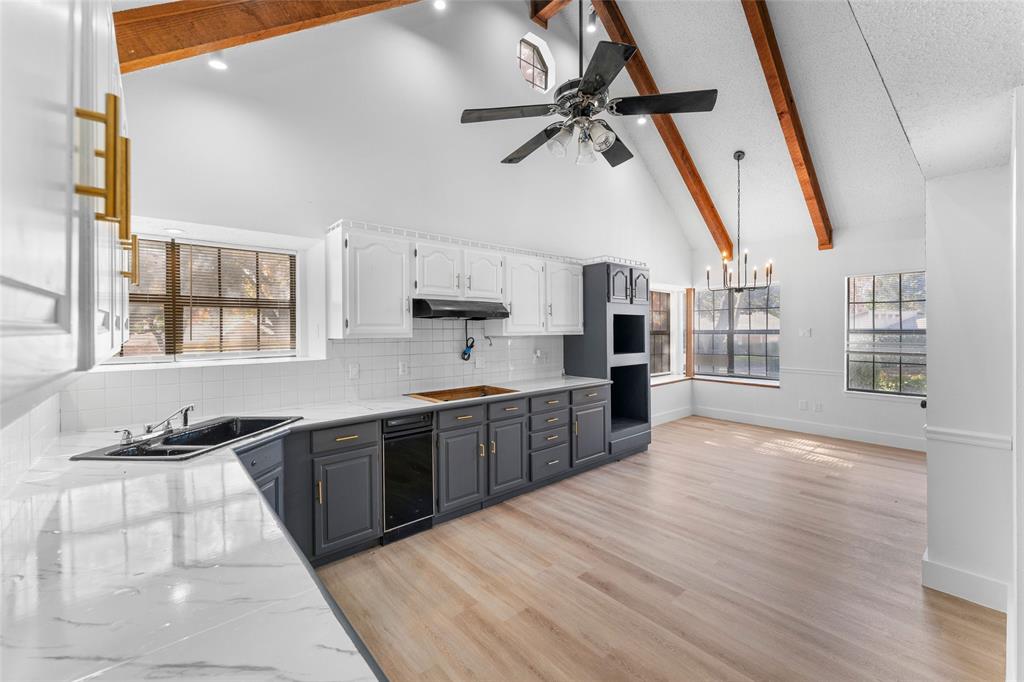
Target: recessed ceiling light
{"x": 641, "y": 120}
{"x": 173, "y": 230}
{"x": 216, "y": 61}
{"x": 440, "y": 4}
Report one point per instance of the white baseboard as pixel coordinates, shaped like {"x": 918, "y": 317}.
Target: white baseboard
{"x": 964, "y": 584}
{"x": 896, "y": 440}
{"x": 671, "y": 415}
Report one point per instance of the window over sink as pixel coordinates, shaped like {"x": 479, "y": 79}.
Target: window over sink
{"x": 197, "y": 300}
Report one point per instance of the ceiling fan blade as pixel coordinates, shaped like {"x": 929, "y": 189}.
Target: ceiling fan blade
{"x": 668, "y": 103}
{"x": 604, "y": 66}
{"x": 617, "y": 153}
{"x": 533, "y": 144}
{"x": 503, "y": 113}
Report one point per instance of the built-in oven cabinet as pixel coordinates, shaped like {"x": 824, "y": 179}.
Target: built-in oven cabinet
{"x": 369, "y": 285}
{"x": 347, "y": 499}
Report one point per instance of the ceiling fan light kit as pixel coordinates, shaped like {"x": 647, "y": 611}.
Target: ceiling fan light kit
{"x": 580, "y": 100}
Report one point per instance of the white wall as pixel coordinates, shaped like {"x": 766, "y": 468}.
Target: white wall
{"x": 812, "y": 290}
{"x": 970, "y": 385}
{"x": 360, "y": 120}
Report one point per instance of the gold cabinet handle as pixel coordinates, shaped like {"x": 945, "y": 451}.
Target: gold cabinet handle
{"x": 110, "y": 120}
{"x": 576, "y": 427}
{"x": 125, "y": 191}
{"x": 133, "y": 272}
{"x": 494, "y": 447}
{"x": 320, "y": 492}
{"x": 552, "y": 420}
{"x": 554, "y": 437}
{"x": 464, "y": 417}
{"x": 512, "y": 409}
{"x": 483, "y": 452}
{"x": 342, "y": 439}
{"x": 592, "y": 395}
{"x": 553, "y": 402}
{"x": 553, "y": 462}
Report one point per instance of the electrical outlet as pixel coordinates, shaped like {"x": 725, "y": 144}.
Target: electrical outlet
{"x": 480, "y": 363}
{"x": 808, "y": 332}
{"x": 818, "y": 407}
{"x": 353, "y": 370}
{"x": 403, "y": 368}
{"x": 802, "y": 405}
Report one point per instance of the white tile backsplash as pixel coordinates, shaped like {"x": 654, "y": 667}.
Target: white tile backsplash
{"x": 27, "y": 437}
{"x": 102, "y": 399}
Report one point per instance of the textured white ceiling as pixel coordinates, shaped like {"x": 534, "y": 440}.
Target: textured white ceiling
{"x": 950, "y": 67}
{"x": 866, "y": 169}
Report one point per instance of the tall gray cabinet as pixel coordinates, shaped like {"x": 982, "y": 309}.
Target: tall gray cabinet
{"x": 615, "y": 345}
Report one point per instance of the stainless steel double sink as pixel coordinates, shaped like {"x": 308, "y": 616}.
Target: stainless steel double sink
{"x": 191, "y": 441}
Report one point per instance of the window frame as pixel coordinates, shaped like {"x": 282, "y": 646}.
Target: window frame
{"x": 171, "y": 305}
{"x": 537, "y": 62}
{"x": 657, "y": 293}
{"x": 730, "y": 341}
{"x": 847, "y": 351}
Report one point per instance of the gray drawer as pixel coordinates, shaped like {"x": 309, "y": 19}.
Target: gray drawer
{"x": 472, "y": 415}
{"x": 549, "y": 420}
{"x": 262, "y": 458}
{"x": 594, "y": 394}
{"x": 551, "y": 401}
{"x": 547, "y": 439}
{"x": 345, "y": 437}
{"x": 506, "y": 409}
{"x": 549, "y": 462}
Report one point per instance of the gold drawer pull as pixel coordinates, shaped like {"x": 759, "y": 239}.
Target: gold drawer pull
{"x": 341, "y": 439}
{"x": 464, "y": 417}
{"x": 110, "y": 119}
{"x": 553, "y": 402}
{"x": 512, "y": 409}
{"x": 552, "y": 420}
{"x": 554, "y": 437}
{"x": 494, "y": 447}
{"x": 553, "y": 462}
{"x": 124, "y": 211}
{"x": 592, "y": 395}
{"x": 483, "y": 451}
{"x": 133, "y": 272}
{"x": 320, "y": 492}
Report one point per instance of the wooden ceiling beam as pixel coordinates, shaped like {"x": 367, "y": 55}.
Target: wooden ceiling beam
{"x": 170, "y": 31}
{"x": 785, "y": 107}
{"x": 618, "y": 30}
{"x": 541, "y": 11}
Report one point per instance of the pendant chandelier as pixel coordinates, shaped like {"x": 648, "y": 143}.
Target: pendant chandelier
{"x": 742, "y": 282}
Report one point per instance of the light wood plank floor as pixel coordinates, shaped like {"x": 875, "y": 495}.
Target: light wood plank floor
{"x": 726, "y": 551}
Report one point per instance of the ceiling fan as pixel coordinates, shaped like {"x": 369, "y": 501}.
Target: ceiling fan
{"x": 579, "y": 100}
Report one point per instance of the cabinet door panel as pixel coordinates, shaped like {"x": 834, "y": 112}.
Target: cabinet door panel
{"x": 509, "y": 461}
{"x": 483, "y": 270}
{"x": 271, "y": 484}
{"x": 377, "y": 289}
{"x": 565, "y": 298}
{"x": 461, "y": 468}
{"x": 590, "y": 434}
{"x": 438, "y": 271}
{"x": 524, "y": 287}
{"x": 347, "y": 492}
{"x": 618, "y": 283}
{"x": 641, "y": 287}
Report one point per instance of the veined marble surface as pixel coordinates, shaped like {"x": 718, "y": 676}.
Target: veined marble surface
{"x": 156, "y": 570}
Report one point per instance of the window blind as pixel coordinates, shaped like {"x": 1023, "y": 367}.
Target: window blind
{"x": 196, "y": 299}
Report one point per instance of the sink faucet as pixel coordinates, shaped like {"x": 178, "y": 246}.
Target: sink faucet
{"x": 166, "y": 423}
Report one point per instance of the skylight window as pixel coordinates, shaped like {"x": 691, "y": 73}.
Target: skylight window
{"x": 532, "y": 64}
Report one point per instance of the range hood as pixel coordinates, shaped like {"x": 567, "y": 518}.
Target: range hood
{"x": 439, "y": 309}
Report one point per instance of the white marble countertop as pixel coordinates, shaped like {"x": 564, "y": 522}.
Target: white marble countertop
{"x": 130, "y": 570}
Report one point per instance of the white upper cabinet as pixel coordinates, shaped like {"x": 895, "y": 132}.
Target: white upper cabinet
{"x": 438, "y": 270}
{"x": 525, "y": 295}
{"x": 565, "y": 298}
{"x": 483, "y": 275}
{"x": 377, "y": 291}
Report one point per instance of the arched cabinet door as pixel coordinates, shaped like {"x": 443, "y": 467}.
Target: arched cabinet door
{"x": 377, "y": 288}
{"x": 618, "y": 283}
{"x": 484, "y": 275}
{"x": 641, "y": 288}
{"x": 565, "y": 298}
{"x": 438, "y": 270}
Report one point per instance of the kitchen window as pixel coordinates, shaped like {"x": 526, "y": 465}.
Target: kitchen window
{"x": 886, "y": 334}
{"x": 206, "y": 301}
{"x": 661, "y": 333}
{"x": 736, "y": 334}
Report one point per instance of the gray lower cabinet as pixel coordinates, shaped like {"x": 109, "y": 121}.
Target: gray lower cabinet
{"x": 271, "y": 484}
{"x": 346, "y": 499}
{"x": 590, "y": 432}
{"x": 509, "y": 459}
{"x": 461, "y": 468}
